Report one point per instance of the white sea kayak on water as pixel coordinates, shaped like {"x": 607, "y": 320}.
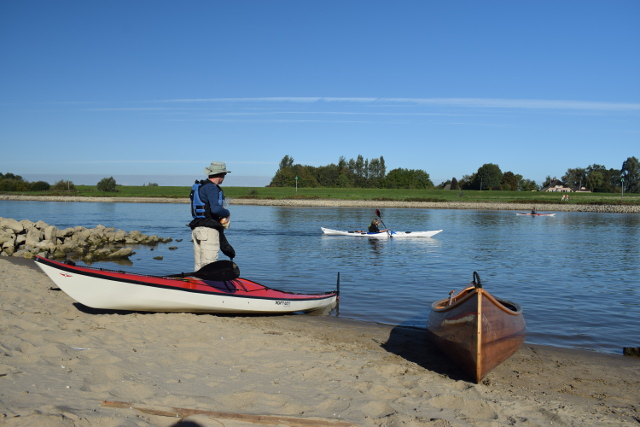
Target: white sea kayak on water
{"x": 381, "y": 235}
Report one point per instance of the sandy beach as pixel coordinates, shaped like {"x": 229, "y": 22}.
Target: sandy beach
{"x": 66, "y": 365}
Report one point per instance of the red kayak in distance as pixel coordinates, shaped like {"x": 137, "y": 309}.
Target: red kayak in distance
{"x": 535, "y": 214}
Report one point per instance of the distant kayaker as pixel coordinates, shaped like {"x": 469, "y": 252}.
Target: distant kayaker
{"x": 210, "y": 217}
{"x": 373, "y": 227}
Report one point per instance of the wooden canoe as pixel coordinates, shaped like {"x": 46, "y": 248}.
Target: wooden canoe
{"x": 476, "y": 330}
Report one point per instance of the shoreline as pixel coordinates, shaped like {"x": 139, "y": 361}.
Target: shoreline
{"x": 560, "y": 207}
{"x": 66, "y": 364}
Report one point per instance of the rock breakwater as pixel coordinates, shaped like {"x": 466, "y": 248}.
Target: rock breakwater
{"x": 27, "y": 239}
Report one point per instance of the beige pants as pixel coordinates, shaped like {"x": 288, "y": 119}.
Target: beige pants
{"x": 206, "y": 245}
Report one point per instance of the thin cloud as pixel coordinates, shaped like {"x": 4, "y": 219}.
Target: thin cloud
{"x": 275, "y": 99}
{"x": 286, "y": 121}
{"x": 327, "y": 113}
{"x": 538, "y": 104}
{"x": 147, "y": 162}
{"x": 128, "y": 109}
{"x": 496, "y": 103}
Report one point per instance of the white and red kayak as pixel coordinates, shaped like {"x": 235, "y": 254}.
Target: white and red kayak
{"x": 117, "y": 290}
{"x": 380, "y": 235}
{"x": 535, "y": 214}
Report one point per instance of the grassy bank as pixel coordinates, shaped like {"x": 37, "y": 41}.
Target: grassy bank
{"x": 433, "y": 195}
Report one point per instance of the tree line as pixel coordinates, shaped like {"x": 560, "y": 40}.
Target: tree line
{"x": 352, "y": 173}
{"x": 12, "y": 182}
{"x": 598, "y": 178}
{"x": 365, "y": 173}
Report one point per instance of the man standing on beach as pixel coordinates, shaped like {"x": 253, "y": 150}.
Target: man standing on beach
{"x": 210, "y": 217}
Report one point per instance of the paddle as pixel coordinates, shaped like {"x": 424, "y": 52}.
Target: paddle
{"x": 383, "y": 224}
{"x": 219, "y": 271}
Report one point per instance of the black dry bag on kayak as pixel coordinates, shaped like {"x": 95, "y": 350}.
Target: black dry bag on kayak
{"x": 222, "y": 270}
{"x": 217, "y": 271}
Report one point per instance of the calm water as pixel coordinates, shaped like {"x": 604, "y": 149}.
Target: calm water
{"x": 576, "y": 275}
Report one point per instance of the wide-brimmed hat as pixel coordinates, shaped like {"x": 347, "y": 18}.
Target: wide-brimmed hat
{"x": 215, "y": 168}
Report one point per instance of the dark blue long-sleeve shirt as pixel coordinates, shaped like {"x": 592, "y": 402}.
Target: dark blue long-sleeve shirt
{"x": 213, "y": 196}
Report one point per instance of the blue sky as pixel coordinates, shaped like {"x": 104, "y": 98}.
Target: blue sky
{"x": 153, "y": 91}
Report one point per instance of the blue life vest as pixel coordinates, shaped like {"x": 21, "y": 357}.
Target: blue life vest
{"x": 198, "y": 208}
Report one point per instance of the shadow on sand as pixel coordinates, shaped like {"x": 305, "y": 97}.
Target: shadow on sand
{"x": 414, "y": 344}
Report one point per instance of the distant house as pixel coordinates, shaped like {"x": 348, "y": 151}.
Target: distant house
{"x": 557, "y": 189}
{"x": 556, "y": 186}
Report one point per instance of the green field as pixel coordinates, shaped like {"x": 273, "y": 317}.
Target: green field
{"x": 432, "y": 195}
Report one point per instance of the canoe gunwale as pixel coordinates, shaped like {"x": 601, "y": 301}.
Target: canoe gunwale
{"x": 443, "y": 305}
